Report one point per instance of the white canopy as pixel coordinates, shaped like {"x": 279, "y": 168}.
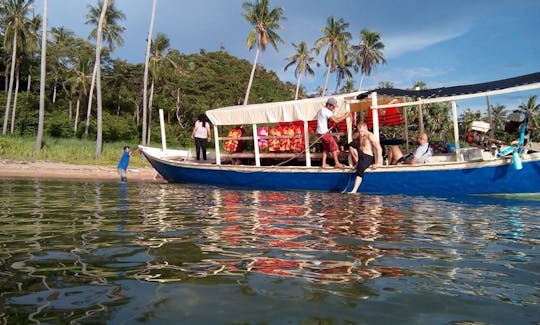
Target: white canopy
{"x": 296, "y": 110}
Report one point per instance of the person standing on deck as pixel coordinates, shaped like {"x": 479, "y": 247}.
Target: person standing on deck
{"x": 329, "y": 142}
{"x": 366, "y": 152}
{"x": 201, "y": 135}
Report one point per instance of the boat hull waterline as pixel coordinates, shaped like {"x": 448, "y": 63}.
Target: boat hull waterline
{"x": 496, "y": 176}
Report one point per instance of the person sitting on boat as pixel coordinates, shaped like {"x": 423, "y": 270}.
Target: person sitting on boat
{"x": 329, "y": 142}
{"x": 366, "y": 152}
{"x": 419, "y": 156}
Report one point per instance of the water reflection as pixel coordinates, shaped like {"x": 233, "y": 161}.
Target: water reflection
{"x": 83, "y": 249}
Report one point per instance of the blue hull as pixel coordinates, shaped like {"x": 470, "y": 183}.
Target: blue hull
{"x": 445, "y": 180}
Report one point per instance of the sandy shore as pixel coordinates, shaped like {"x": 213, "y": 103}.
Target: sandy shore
{"x": 54, "y": 170}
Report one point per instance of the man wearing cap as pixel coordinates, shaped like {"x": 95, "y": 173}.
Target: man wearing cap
{"x": 329, "y": 142}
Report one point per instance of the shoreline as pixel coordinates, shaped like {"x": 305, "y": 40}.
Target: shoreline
{"x": 15, "y": 169}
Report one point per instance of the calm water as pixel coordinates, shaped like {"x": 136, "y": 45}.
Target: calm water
{"x": 103, "y": 252}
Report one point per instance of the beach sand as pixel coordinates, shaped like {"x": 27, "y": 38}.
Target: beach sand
{"x": 54, "y": 170}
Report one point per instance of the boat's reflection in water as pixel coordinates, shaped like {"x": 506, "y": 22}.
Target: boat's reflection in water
{"x": 315, "y": 236}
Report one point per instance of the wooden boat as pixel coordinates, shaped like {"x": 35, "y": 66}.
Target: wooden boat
{"x": 514, "y": 169}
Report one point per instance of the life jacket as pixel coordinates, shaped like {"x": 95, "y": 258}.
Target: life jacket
{"x": 285, "y": 143}
{"x": 298, "y": 142}
{"x": 234, "y": 145}
{"x": 263, "y": 142}
{"x": 274, "y": 144}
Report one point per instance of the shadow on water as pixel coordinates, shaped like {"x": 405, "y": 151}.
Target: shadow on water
{"x": 107, "y": 252}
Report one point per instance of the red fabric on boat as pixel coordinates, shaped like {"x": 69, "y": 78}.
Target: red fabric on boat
{"x": 389, "y": 117}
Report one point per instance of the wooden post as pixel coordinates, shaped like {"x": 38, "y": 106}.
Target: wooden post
{"x": 162, "y": 127}
{"x": 256, "y": 146}
{"x": 216, "y": 145}
{"x": 375, "y": 115}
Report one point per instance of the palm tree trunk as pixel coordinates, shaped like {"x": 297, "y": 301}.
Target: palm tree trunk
{"x": 90, "y": 97}
{"x": 6, "y": 78}
{"x": 54, "y": 92}
{"x": 39, "y": 137}
{"x": 361, "y": 82}
{"x": 70, "y": 108}
{"x": 10, "y": 88}
{"x": 28, "y": 84}
{"x": 145, "y": 77}
{"x": 251, "y": 76}
{"x": 150, "y": 103}
{"x": 99, "y": 137}
{"x": 16, "y": 95}
{"x": 326, "y": 80}
{"x": 76, "y": 122}
{"x": 297, "y": 86}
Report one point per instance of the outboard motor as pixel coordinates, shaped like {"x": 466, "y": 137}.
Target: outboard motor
{"x": 477, "y": 134}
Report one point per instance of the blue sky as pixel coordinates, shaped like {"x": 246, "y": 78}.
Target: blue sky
{"x": 442, "y": 43}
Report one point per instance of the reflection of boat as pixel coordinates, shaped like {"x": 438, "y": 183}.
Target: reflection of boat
{"x": 466, "y": 171}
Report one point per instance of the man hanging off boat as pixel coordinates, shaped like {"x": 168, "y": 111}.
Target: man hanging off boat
{"x": 366, "y": 151}
{"x": 329, "y": 142}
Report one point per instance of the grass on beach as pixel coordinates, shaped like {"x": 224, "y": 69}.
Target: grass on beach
{"x": 71, "y": 151}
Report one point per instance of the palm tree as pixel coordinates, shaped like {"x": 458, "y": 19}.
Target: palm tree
{"x": 348, "y": 87}
{"x": 336, "y": 38}
{"x": 498, "y": 115}
{"x": 533, "y": 110}
{"x": 101, "y": 23}
{"x": 60, "y": 52}
{"x": 157, "y": 62}
{"x": 39, "y": 137}
{"x": 14, "y": 16}
{"x": 145, "y": 77}
{"x": 303, "y": 60}
{"x": 343, "y": 71}
{"x": 264, "y": 21}
{"x": 368, "y": 53}
{"x": 111, "y": 34}
{"x": 80, "y": 79}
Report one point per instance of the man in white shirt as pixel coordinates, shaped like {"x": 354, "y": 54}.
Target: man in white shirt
{"x": 329, "y": 142}
{"x": 419, "y": 156}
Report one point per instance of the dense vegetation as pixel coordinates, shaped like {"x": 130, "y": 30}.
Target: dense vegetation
{"x": 199, "y": 82}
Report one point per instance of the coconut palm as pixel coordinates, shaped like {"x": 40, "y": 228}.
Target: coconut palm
{"x": 303, "y": 61}
{"x": 533, "y": 111}
{"x": 145, "y": 77}
{"x": 498, "y": 115}
{"x": 111, "y": 34}
{"x": 336, "y": 38}
{"x": 16, "y": 24}
{"x": 39, "y": 137}
{"x": 368, "y": 53}
{"x": 344, "y": 63}
{"x": 81, "y": 77}
{"x": 60, "y": 38}
{"x": 101, "y": 23}
{"x": 265, "y": 21}
{"x": 348, "y": 87}
{"x": 158, "y": 61}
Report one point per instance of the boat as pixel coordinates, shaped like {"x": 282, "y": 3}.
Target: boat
{"x": 508, "y": 169}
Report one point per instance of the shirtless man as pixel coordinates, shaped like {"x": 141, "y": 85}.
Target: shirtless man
{"x": 366, "y": 152}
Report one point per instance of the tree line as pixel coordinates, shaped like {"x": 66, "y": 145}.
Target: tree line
{"x": 84, "y": 92}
